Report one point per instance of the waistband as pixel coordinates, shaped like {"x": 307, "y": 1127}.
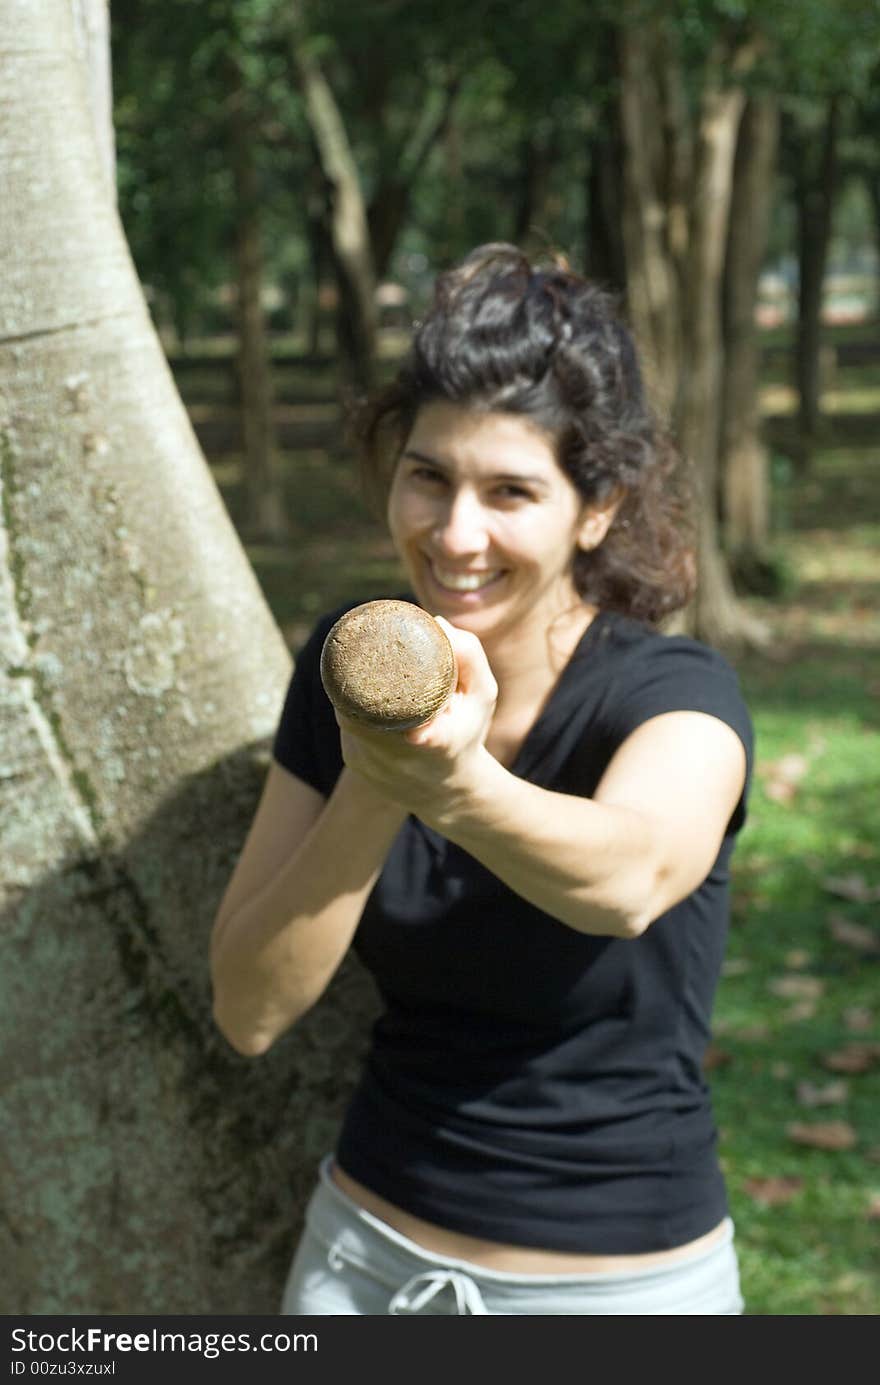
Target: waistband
{"x": 323, "y": 1220}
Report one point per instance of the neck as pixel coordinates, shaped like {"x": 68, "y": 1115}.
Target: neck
{"x": 528, "y": 665}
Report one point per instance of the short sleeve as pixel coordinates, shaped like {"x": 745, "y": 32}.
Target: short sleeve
{"x": 677, "y": 674}
{"x": 307, "y": 739}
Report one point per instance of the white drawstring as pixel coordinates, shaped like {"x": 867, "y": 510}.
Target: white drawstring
{"x": 467, "y": 1295}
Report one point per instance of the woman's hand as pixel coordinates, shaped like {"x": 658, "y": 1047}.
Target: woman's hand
{"x": 430, "y": 765}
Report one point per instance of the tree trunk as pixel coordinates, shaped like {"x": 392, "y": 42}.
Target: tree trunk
{"x": 743, "y": 457}
{"x": 92, "y": 29}
{"x": 530, "y": 223}
{"x": 265, "y": 517}
{"x": 653, "y": 294}
{"x": 147, "y": 1169}
{"x": 719, "y": 617}
{"x": 676, "y": 200}
{"x": 390, "y": 204}
{"x": 816, "y": 182}
{"x": 316, "y": 237}
{"x": 357, "y": 318}
{"x": 605, "y": 259}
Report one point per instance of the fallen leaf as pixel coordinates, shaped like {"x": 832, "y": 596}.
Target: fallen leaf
{"x": 858, "y": 1019}
{"x": 854, "y": 887}
{"x": 831, "y": 1094}
{"x": 779, "y": 791}
{"x": 780, "y": 1070}
{"x": 782, "y": 777}
{"x": 798, "y": 959}
{"x": 735, "y": 966}
{"x": 716, "y": 1057}
{"x": 773, "y": 1192}
{"x": 873, "y": 1154}
{"x": 791, "y": 767}
{"x": 751, "y": 1033}
{"x": 874, "y": 1206}
{"x": 855, "y": 1057}
{"x": 801, "y": 1010}
{"x": 797, "y": 987}
{"x": 855, "y": 935}
{"x": 823, "y": 1134}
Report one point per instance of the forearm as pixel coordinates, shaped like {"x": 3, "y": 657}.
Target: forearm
{"x": 272, "y": 958}
{"x": 593, "y": 866}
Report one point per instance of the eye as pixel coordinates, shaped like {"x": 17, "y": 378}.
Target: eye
{"x": 427, "y": 474}
{"x": 510, "y": 491}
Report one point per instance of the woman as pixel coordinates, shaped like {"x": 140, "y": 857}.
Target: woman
{"x": 538, "y": 878}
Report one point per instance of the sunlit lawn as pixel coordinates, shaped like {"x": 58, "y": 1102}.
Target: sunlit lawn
{"x": 800, "y": 998}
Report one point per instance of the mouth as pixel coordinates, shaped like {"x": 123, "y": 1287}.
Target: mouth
{"x": 463, "y": 583}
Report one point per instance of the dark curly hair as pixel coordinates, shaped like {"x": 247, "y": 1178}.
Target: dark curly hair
{"x": 504, "y": 334}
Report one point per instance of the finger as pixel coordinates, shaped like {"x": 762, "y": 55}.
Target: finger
{"x": 474, "y": 672}
{"x": 370, "y": 735}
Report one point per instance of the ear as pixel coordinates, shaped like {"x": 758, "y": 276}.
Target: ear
{"x": 597, "y": 520}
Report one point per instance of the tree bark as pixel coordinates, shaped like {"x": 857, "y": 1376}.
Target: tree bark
{"x": 605, "y": 259}
{"x": 265, "y": 516}
{"x": 147, "y": 1168}
{"x": 653, "y": 294}
{"x": 536, "y": 165}
{"x": 719, "y": 617}
{"x": 816, "y": 181}
{"x": 743, "y": 456}
{"x": 357, "y": 318}
{"x": 677, "y": 178}
{"x": 92, "y": 29}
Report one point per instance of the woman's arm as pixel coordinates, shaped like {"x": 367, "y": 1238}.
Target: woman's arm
{"x": 613, "y": 863}
{"x": 294, "y": 901}
{"x": 609, "y": 864}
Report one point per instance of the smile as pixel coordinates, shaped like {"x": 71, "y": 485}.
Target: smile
{"x": 464, "y": 581}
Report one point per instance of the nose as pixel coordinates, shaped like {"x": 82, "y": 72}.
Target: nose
{"x": 462, "y": 529}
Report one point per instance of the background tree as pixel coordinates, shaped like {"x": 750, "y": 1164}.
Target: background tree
{"x": 825, "y": 62}
{"x": 682, "y": 94}
{"x": 811, "y": 147}
{"x": 346, "y": 213}
{"x": 203, "y": 120}
{"x": 742, "y": 452}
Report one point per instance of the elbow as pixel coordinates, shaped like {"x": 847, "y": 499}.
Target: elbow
{"x": 609, "y": 921}
{"x": 627, "y": 913}
{"x": 249, "y": 1042}
{"x": 652, "y": 900}
{"x": 251, "y": 1036}
{"x": 634, "y": 924}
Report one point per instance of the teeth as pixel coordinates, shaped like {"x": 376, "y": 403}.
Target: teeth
{"x": 464, "y": 581}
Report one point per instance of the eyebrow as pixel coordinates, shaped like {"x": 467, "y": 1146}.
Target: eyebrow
{"x": 519, "y": 477}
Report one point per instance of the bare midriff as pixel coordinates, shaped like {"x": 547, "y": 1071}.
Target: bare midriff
{"x": 496, "y": 1255}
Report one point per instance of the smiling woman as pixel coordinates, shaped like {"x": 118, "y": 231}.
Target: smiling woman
{"x": 537, "y": 878}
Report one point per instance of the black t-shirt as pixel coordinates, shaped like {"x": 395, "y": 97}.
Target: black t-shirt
{"x": 527, "y": 1083}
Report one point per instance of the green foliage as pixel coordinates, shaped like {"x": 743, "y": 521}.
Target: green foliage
{"x": 530, "y": 84}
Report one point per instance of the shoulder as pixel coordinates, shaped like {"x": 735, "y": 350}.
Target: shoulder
{"x": 639, "y": 647}
{"x": 652, "y": 672}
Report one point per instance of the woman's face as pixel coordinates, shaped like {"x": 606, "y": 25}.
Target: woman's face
{"x": 485, "y": 521}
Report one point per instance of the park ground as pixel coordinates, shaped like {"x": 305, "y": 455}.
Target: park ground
{"x": 795, "y": 1059}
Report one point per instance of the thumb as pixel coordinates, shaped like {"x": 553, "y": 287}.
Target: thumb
{"x": 474, "y": 673}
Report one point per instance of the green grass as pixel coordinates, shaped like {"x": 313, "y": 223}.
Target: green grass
{"x": 816, "y": 696}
